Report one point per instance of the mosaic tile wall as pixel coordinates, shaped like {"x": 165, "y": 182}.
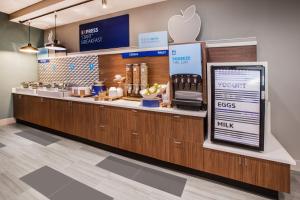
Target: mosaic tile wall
{"x": 80, "y": 70}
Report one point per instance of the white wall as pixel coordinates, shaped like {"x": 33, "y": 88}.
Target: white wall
{"x": 275, "y": 23}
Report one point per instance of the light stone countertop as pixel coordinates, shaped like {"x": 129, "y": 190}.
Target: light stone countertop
{"x": 274, "y": 151}
{"x": 129, "y": 105}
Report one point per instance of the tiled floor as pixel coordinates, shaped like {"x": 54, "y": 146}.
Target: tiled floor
{"x": 145, "y": 175}
{"x": 32, "y": 169}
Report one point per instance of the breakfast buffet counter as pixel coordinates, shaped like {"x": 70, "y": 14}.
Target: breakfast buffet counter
{"x": 127, "y": 104}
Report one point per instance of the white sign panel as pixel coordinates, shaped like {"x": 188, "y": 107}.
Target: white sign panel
{"x": 237, "y": 106}
{"x": 153, "y": 39}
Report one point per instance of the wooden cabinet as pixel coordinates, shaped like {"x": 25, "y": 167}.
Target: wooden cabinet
{"x": 20, "y": 108}
{"x": 132, "y": 134}
{"x": 107, "y": 125}
{"x": 263, "y": 173}
{"x": 189, "y": 129}
{"x": 32, "y": 109}
{"x": 186, "y": 154}
{"x": 61, "y": 116}
{"x": 223, "y": 164}
{"x": 187, "y": 136}
{"x": 266, "y": 174}
{"x": 83, "y": 115}
{"x": 38, "y": 109}
{"x": 171, "y": 138}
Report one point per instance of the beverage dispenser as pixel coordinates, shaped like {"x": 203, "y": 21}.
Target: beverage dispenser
{"x": 186, "y": 75}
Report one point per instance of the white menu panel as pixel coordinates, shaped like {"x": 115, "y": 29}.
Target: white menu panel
{"x": 237, "y": 101}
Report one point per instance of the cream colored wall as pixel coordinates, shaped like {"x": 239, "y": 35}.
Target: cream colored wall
{"x": 275, "y": 23}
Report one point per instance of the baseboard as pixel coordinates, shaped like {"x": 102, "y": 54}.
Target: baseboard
{"x": 7, "y": 121}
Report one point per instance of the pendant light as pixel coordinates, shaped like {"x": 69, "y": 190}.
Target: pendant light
{"x": 55, "y": 45}
{"x": 29, "y": 48}
{"x": 104, "y": 3}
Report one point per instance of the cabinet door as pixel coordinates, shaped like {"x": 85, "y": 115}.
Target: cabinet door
{"x": 156, "y": 133}
{"x": 44, "y": 112}
{"x": 186, "y": 154}
{"x": 39, "y": 110}
{"x": 83, "y": 119}
{"x": 131, "y": 137}
{"x": 61, "y": 116}
{"x": 223, "y": 164}
{"x": 267, "y": 174}
{"x": 19, "y": 107}
{"x": 106, "y": 130}
{"x": 188, "y": 129}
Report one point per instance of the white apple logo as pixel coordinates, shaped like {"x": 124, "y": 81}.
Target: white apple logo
{"x": 186, "y": 27}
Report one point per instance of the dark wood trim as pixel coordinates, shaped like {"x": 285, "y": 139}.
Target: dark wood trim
{"x": 232, "y": 54}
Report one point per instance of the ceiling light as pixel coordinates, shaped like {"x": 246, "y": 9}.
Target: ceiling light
{"x": 104, "y": 3}
{"x": 29, "y": 48}
{"x": 55, "y": 45}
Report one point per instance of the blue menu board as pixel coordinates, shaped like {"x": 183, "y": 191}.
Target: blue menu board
{"x": 105, "y": 34}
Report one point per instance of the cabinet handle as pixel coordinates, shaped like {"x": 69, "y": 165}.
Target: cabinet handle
{"x": 176, "y": 142}
{"x": 134, "y": 133}
{"x": 246, "y": 162}
{"x": 135, "y": 111}
{"x": 20, "y": 96}
{"x": 176, "y": 116}
{"x": 42, "y": 100}
{"x": 101, "y": 106}
{"x": 102, "y": 126}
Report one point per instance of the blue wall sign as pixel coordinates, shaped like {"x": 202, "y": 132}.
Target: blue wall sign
{"x": 145, "y": 54}
{"x": 105, "y": 34}
{"x": 43, "y": 61}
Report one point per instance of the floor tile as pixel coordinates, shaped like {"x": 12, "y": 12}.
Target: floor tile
{"x": 79, "y": 191}
{"x": 162, "y": 181}
{"x": 120, "y": 167}
{"x": 147, "y": 176}
{"x": 37, "y": 136}
{"x": 2, "y": 145}
{"x": 46, "y": 180}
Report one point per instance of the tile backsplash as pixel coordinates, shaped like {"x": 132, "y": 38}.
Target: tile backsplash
{"x": 80, "y": 70}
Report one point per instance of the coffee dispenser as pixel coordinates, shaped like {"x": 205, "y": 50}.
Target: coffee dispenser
{"x": 186, "y": 75}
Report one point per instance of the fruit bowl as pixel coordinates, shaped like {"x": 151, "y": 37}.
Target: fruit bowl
{"x": 147, "y": 96}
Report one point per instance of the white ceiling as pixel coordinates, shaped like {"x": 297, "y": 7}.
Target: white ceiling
{"x": 78, "y": 13}
{"x": 10, "y": 6}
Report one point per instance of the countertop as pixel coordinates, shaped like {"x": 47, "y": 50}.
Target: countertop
{"x": 127, "y": 104}
{"x": 274, "y": 151}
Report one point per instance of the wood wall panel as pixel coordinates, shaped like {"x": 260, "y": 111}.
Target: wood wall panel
{"x": 110, "y": 65}
{"x": 232, "y": 54}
